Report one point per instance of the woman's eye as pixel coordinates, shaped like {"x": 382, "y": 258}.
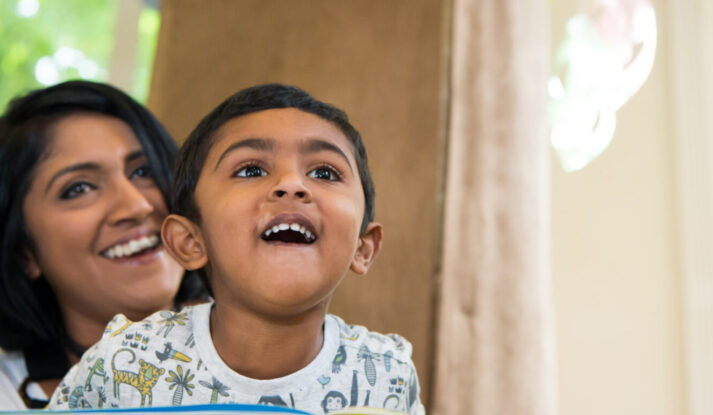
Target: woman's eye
{"x": 323, "y": 173}
{"x": 251, "y": 171}
{"x": 143, "y": 172}
{"x": 76, "y": 189}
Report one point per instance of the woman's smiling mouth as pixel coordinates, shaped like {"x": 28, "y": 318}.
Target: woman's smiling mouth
{"x": 132, "y": 248}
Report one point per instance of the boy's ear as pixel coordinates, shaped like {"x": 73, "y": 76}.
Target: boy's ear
{"x": 184, "y": 242}
{"x": 369, "y": 247}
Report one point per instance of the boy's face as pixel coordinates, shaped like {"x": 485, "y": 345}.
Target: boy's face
{"x": 271, "y": 170}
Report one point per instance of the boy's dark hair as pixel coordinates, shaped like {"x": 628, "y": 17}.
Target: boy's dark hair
{"x": 259, "y": 98}
{"x": 29, "y": 312}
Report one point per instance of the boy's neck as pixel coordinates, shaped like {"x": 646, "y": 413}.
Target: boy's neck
{"x": 261, "y": 348}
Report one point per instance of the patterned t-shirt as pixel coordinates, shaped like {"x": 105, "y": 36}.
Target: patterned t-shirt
{"x": 169, "y": 359}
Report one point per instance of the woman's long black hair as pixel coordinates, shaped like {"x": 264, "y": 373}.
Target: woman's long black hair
{"x": 30, "y": 317}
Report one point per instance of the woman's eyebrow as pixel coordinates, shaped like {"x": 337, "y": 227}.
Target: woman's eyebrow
{"x": 260, "y": 144}
{"x": 315, "y": 145}
{"x": 134, "y": 155}
{"x": 70, "y": 169}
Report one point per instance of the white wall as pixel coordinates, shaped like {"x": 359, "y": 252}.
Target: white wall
{"x": 617, "y": 283}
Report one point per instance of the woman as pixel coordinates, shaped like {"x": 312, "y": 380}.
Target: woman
{"x": 84, "y": 179}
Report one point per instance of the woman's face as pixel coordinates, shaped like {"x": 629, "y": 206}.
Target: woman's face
{"x": 94, "y": 214}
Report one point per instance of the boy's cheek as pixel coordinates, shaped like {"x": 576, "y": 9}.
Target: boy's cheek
{"x": 350, "y": 213}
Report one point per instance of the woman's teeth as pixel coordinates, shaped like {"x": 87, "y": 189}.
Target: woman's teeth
{"x": 295, "y": 227}
{"x": 132, "y": 247}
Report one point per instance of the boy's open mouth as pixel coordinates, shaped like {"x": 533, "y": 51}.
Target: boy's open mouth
{"x": 295, "y": 230}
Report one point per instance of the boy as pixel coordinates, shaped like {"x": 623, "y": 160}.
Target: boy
{"x": 273, "y": 203}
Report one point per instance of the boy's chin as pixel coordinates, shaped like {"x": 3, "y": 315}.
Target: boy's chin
{"x": 291, "y": 266}
{"x": 292, "y": 311}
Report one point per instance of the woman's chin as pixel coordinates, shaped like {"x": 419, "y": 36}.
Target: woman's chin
{"x": 146, "y": 299}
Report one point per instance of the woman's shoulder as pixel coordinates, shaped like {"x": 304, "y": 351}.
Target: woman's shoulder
{"x": 12, "y": 367}
{"x": 12, "y": 373}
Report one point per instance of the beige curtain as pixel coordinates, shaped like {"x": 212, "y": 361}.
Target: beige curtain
{"x": 494, "y": 350}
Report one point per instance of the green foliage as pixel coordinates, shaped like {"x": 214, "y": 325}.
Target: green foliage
{"x": 79, "y": 24}
{"x": 82, "y": 25}
{"x": 149, "y": 23}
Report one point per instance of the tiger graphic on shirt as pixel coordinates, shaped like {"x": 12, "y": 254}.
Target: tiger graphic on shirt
{"x": 143, "y": 381}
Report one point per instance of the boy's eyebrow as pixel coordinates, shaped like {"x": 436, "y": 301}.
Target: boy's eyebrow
{"x": 70, "y": 169}
{"x": 260, "y": 144}
{"x": 315, "y": 145}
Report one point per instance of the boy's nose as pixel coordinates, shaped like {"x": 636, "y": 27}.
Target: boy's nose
{"x": 290, "y": 187}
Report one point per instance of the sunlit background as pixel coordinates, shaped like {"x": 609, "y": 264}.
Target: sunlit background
{"x": 631, "y": 130}
{"x": 605, "y": 57}
{"x": 43, "y": 42}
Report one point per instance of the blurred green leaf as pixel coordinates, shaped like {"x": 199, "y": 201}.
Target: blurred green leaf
{"x": 81, "y": 25}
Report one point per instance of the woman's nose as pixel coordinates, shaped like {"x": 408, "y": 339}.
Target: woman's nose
{"x": 129, "y": 204}
{"x": 290, "y": 186}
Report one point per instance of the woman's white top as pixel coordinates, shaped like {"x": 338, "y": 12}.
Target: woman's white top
{"x": 12, "y": 373}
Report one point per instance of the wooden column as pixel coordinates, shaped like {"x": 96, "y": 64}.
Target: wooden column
{"x": 495, "y": 337}
{"x": 381, "y": 61}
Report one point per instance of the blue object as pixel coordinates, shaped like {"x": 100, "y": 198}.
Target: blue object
{"x": 196, "y": 409}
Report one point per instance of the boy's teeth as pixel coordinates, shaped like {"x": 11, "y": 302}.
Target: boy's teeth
{"x": 132, "y": 247}
{"x": 295, "y": 227}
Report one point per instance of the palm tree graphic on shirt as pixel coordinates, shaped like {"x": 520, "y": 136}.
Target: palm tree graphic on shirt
{"x": 218, "y": 389}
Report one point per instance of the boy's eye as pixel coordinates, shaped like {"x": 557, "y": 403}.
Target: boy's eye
{"x": 143, "y": 172}
{"x": 324, "y": 173}
{"x": 75, "y": 190}
{"x": 250, "y": 171}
